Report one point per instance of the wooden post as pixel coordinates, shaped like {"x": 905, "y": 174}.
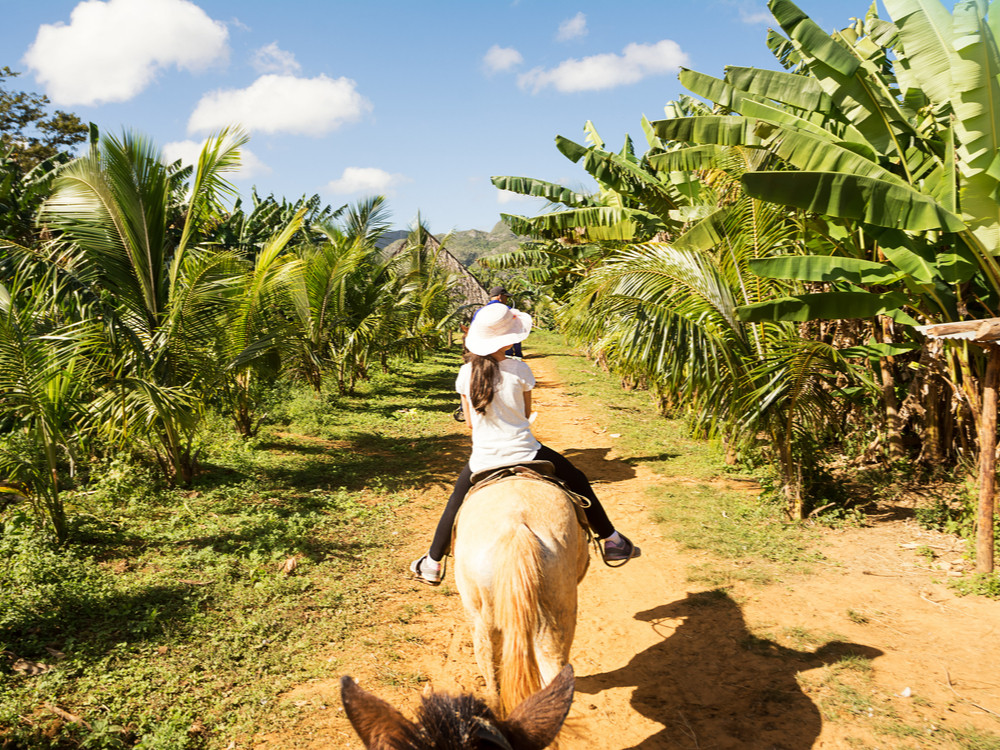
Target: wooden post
{"x": 987, "y": 462}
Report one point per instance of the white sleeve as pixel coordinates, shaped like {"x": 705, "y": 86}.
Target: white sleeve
{"x": 462, "y": 381}
{"x": 527, "y": 377}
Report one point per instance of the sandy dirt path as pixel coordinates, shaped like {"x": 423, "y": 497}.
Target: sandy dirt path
{"x": 663, "y": 663}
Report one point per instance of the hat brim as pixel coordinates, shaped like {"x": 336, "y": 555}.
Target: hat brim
{"x": 487, "y": 345}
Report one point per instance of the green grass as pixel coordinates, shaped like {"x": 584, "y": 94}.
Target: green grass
{"x": 662, "y": 444}
{"x": 170, "y": 622}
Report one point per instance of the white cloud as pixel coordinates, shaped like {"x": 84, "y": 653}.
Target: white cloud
{"x": 499, "y": 59}
{"x": 572, "y": 28}
{"x": 272, "y": 59}
{"x": 754, "y": 18}
{"x": 282, "y": 104}
{"x": 189, "y": 151}
{"x": 365, "y": 179}
{"x": 186, "y": 151}
{"x": 110, "y": 51}
{"x": 606, "y": 71}
{"x": 506, "y": 196}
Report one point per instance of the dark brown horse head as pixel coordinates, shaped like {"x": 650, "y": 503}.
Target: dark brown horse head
{"x": 463, "y": 722}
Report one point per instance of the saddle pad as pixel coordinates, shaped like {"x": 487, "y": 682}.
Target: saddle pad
{"x": 545, "y": 468}
{"x": 528, "y": 471}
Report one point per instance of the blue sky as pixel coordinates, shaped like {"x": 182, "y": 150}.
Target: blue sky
{"x": 421, "y": 101}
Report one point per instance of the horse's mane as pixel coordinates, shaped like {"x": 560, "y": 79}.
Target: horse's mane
{"x": 462, "y": 722}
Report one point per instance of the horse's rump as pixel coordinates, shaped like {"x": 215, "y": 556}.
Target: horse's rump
{"x": 519, "y": 554}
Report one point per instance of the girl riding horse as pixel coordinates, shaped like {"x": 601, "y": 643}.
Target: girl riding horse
{"x": 496, "y": 401}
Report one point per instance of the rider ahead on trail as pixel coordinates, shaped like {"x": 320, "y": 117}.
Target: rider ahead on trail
{"x": 496, "y": 400}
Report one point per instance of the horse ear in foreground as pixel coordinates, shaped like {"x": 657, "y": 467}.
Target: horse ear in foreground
{"x": 461, "y": 722}
{"x": 519, "y": 554}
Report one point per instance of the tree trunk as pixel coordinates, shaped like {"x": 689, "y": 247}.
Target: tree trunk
{"x": 791, "y": 480}
{"x": 893, "y": 428}
{"x": 987, "y": 463}
{"x": 933, "y": 453}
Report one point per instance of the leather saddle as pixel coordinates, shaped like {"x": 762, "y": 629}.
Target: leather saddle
{"x": 540, "y": 471}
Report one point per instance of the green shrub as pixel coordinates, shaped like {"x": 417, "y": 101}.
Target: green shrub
{"x": 120, "y": 481}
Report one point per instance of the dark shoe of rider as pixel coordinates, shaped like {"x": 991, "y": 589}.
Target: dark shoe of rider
{"x": 424, "y": 570}
{"x": 621, "y": 551}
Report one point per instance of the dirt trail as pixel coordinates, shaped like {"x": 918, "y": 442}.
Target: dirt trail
{"x": 661, "y": 663}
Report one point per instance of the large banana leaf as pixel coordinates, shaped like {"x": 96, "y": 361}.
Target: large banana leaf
{"x": 942, "y": 183}
{"x": 878, "y": 202}
{"x": 784, "y": 51}
{"x": 600, "y": 223}
{"x": 615, "y": 172}
{"x": 704, "y": 235}
{"x": 689, "y": 158}
{"x": 899, "y": 248}
{"x": 812, "y": 122}
{"x": 539, "y": 188}
{"x": 655, "y": 144}
{"x": 976, "y": 98}
{"x": 811, "y": 154}
{"x": 822, "y": 306}
{"x": 810, "y": 40}
{"x": 795, "y": 91}
{"x": 571, "y": 149}
{"x": 714, "y": 89}
{"x": 925, "y": 29}
{"x": 827, "y": 268}
{"x": 721, "y": 130}
{"x": 876, "y": 351}
{"x": 981, "y": 210}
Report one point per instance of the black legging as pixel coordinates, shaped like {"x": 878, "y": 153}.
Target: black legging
{"x": 575, "y": 479}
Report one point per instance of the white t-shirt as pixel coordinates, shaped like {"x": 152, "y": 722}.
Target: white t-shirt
{"x": 502, "y": 435}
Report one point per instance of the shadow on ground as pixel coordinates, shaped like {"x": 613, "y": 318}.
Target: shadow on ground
{"x": 712, "y": 683}
{"x": 594, "y": 462}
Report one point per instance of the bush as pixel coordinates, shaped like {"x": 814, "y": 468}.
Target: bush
{"x": 119, "y": 481}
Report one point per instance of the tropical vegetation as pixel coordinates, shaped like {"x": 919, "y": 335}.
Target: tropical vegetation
{"x": 140, "y": 297}
{"x": 765, "y": 268}
{"x": 764, "y": 264}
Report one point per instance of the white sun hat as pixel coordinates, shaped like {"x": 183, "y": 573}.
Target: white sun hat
{"x": 496, "y": 327}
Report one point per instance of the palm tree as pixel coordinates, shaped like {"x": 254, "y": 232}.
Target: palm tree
{"x": 44, "y": 385}
{"x": 127, "y": 234}
{"x": 342, "y": 286}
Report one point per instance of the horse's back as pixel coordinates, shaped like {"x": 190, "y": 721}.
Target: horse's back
{"x": 519, "y": 553}
{"x": 492, "y": 516}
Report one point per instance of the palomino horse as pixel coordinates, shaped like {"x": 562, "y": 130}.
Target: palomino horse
{"x": 519, "y": 554}
{"x": 461, "y": 722}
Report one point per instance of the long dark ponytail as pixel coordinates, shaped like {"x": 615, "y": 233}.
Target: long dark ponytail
{"x": 482, "y": 383}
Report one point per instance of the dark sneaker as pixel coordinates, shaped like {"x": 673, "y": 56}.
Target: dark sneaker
{"x": 621, "y": 552}
{"x": 423, "y": 571}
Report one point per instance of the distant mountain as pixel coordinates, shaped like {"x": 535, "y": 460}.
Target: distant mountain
{"x": 471, "y": 244}
{"x": 389, "y": 237}
{"x": 468, "y": 245}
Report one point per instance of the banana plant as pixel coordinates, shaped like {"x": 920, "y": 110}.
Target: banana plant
{"x": 889, "y": 130}
{"x": 612, "y": 213}
{"x": 668, "y": 314}
{"x": 912, "y": 171}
